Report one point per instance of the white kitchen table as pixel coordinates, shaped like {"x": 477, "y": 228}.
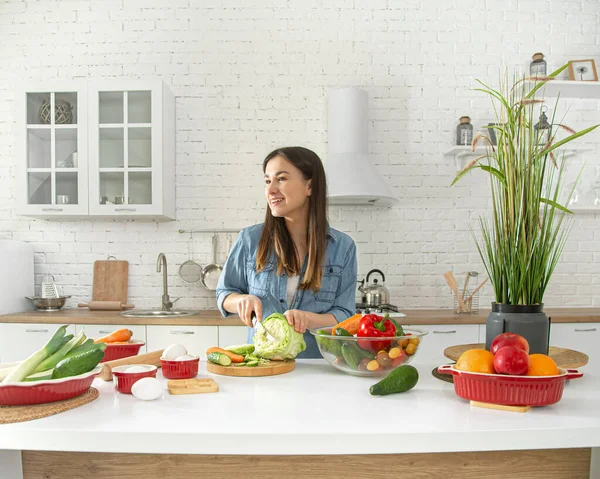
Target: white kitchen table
{"x": 315, "y": 411}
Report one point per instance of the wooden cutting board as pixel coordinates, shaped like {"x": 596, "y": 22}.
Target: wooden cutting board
{"x": 564, "y": 358}
{"x": 110, "y": 281}
{"x": 272, "y": 369}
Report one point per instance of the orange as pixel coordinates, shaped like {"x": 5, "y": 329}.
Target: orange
{"x": 476, "y": 361}
{"x": 542, "y": 365}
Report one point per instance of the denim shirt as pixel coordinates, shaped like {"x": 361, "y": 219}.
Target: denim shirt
{"x": 336, "y": 296}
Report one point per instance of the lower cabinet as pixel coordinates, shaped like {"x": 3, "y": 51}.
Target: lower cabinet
{"x": 439, "y": 337}
{"x": 582, "y": 337}
{"x": 96, "y": 331}
{"x": 232, "y": 335}
{"x": 196, "y": 339}
{"x": 19, "y": 340}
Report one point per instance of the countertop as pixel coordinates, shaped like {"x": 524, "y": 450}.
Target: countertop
{"x": 214, "y": 318}
{"x": 312, "y": 410}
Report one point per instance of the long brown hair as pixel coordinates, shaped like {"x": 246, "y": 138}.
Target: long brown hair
{"x": 275, "y": 235}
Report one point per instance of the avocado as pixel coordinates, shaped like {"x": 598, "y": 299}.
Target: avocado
{"x": 400, "y": 380}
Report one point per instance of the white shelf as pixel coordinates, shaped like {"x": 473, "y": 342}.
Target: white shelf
{"x": 461, "y": 151}
{"x": 569, "y": 89}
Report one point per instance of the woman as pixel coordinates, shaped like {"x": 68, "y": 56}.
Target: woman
{"x": 293, "y": 263}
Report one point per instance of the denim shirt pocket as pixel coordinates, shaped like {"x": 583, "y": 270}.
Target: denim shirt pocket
{"x": 259, "y": 283}
{"x": 332, "y": 274}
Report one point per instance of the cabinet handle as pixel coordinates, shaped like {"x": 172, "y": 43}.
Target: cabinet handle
{"x": 105, "y": 332}
{"x": 452, "y": 331}
{"x": 182, "y": 332}
{"x": 585, "y": 330}
{"x": 36, "y": 330}
{"x": 52, "y": 209}
{"x": 125, "y": 209}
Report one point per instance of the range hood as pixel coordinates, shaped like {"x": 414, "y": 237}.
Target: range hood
{"x": 351, "y": 177}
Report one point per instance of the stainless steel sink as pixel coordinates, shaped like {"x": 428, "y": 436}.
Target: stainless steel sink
{"x": 155, "y": 313}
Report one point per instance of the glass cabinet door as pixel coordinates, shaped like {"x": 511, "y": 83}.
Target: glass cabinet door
{"x": 52, "y": 144}
{"x": 124, "y": 149}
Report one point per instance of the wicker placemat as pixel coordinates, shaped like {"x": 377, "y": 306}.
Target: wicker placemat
{"x": 449, "y": 378}
{"x": 10, "y": 414}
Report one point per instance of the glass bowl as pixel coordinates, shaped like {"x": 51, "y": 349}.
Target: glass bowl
{"x": 368, "y": 357}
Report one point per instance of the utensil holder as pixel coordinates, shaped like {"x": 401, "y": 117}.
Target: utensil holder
{"x": 471, "y": 304}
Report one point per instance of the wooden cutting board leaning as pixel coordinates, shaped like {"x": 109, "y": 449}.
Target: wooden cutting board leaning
{"x": 109, "y": 290}
{"x": 110, "y": 280}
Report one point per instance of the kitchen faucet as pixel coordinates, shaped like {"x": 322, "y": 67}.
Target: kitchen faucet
{"x": 161, "y": 263}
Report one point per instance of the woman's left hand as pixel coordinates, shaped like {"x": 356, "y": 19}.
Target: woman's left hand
{"x": 300, "y": 320}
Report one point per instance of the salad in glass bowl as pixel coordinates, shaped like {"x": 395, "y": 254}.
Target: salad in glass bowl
{"x": 368, "y": 345}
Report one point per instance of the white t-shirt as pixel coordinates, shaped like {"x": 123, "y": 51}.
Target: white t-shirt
{"x": 292, "y": 286}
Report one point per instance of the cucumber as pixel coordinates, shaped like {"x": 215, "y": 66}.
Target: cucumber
{"x": 79, "y": 364}
{"x": 219, "y": 358}
{"x": 87, "y": 345}
{"x": 342, "y": 332}
{"x": 351, "y": 355}
{"x": 400, "y": 380}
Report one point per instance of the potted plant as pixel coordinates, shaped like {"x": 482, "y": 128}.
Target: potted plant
{"x": 522, "y": 243}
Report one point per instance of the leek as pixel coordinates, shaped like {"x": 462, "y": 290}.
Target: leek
{"x": 28, "y": 366}
{"x": 59, "y": 355}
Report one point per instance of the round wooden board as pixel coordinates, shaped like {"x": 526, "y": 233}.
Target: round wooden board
{"x": 272, "y": 369}
{"x": 564, "y": 358}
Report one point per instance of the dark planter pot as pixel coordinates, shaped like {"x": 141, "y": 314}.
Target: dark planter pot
{"x": 529, "y": 321}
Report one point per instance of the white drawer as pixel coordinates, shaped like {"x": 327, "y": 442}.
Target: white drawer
{"x": 197, "y": 339}
{"x": 232, "y": 335}
{"x": 583, "y": 337}
{"x": 96, "y": 331}
{"x": 439, "y": 337}
{"x": 19, "y": 340}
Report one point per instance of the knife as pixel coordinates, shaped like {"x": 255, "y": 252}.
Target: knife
{"x": 256, "y": 322}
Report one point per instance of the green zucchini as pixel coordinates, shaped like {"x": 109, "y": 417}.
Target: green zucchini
{"x": 76, "y": 365}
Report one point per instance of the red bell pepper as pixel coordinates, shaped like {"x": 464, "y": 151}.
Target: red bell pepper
{"x": 373, "y": 326}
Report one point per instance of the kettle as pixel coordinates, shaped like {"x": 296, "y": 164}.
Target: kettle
{"x": 374, "y": 294}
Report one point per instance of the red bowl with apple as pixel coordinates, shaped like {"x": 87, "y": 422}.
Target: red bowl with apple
{"x": 510, "y": 390}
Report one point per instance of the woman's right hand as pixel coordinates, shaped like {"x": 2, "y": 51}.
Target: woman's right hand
{"x": 248, "y": 304}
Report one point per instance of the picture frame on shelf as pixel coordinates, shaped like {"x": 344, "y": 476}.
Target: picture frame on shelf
{"x": 583, "y": 70}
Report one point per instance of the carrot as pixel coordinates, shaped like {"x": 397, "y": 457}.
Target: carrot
{"x": 118, "y": 336}
{"x": 235, "y": 358}
{"x": 351, "y": 324}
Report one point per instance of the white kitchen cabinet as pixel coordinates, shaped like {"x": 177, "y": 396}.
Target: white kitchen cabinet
{"x": 52, "y": 150}
{"x": 439, "y": 337}
{"x": 96, "y": 331}
{"x": 107, "y": 152}
{"x": 197, "y": 339}
{"x": 19, "y": 340}
{"x": 583, "y": 337}
{"x": 232, "y": 335}
{"x": 132, "y": 149}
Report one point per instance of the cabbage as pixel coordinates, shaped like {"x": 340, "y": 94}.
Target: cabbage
{"x": 288, "y": 342}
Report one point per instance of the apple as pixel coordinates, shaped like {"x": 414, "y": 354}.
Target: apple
{"x": 511, "y": 360}
{"x": 509, "y": 339}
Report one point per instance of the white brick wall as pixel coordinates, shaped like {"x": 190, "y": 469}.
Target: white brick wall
{"x": 252, "y": 75}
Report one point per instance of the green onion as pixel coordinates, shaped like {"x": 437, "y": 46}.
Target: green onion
{"x": 28, "y": 366}
{"x": 52, "y": 361}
